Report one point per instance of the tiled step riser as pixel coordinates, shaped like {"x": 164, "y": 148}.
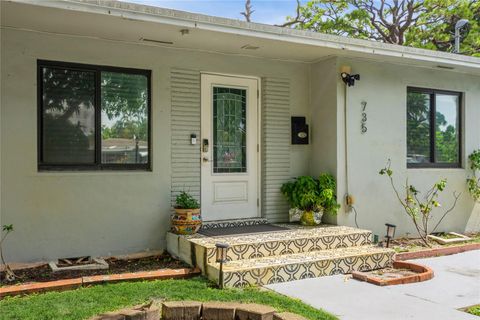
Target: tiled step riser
{"x": 233, "y": 223}
{"x": 278, "y": 248}
{"x": 298, "y": 271}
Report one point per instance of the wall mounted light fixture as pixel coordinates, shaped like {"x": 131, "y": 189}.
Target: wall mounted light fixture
{"x": 347, "y": 77}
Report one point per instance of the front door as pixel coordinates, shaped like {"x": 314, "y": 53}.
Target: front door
{"x": 229, "y": 143}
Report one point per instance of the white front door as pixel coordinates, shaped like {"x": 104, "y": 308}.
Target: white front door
{"x": 229, "y": 143}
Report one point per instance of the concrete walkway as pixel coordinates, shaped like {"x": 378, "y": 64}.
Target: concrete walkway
{"x": 456, "y": 284}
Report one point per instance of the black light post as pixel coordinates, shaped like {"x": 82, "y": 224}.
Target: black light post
{"x": 390, "y": 232}
{"x": 221, "y": 257}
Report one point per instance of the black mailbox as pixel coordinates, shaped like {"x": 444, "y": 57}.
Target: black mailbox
{"x": 299, "y": 130}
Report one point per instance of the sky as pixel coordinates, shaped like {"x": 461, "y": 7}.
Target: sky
{"x": 266, "y": 11}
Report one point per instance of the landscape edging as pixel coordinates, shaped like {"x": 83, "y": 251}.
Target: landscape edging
{"x": 436, "y": 252}
{"x": 424, "y": 273}
{"x": 68, "y": 284}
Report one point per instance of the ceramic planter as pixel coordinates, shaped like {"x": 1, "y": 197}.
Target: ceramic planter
{"x": 186, "y": 221}
{"x": 311, "y": 218}
{"x": 307, "y": 218}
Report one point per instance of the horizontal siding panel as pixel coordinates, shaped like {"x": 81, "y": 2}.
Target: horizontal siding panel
{"x": 185, "y": 120}
{"x": 275, "y": 147}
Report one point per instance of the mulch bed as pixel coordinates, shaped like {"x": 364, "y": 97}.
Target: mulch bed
{"x": 391, "y": 273}
{"x": 44, "y": 273}
{"x": 415, "y": 244}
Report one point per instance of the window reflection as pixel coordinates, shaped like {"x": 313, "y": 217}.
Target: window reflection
{"x": 124, "y": 118}
{"x": 446, "y": 130}
{"x": 68, "y": 130}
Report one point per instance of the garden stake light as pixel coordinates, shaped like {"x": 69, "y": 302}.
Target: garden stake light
{"x": 390, "y": 232}
{"x": 221, "y": 257}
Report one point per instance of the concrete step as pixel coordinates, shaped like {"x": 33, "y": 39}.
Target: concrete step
{"x": 276, "y": 269}
{"x": 298, "y": 239}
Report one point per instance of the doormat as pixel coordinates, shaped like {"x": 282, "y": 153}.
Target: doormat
{"x": 258, "y": 228}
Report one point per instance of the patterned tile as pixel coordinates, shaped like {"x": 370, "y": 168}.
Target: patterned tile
{"x": 233, "y": 223}
{"x": 286, "y": 242}
{"x": 306, "y": 265}
{"x": 298, "y": 253}
{"x": 295, "y": 232}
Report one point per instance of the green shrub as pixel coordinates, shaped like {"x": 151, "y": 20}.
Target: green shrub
{"x": 310, "y": 194}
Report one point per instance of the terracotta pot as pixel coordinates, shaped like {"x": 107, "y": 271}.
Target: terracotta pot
{"x": 186, "y": 221}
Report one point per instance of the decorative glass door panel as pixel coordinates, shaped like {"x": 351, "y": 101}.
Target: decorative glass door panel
{"x": 229, "y": 157}
{"x": 229, "y": 130}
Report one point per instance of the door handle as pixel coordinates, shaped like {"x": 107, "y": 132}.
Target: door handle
{"x": 205, "y": 159}
{"x": 205, "y": 145}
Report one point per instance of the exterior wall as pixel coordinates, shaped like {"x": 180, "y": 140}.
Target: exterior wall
{"x": 384, "y": 87}
{"x": 59, "y": 214}
{"x": 324, "y": 126}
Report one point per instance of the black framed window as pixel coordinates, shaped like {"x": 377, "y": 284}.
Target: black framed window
{"x": 93, "y": 117}
{"x": 434, "y": 126}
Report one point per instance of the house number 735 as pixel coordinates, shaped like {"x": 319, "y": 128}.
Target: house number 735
{"x": 364, "y": 117}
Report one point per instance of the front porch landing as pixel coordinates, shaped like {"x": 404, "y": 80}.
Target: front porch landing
{"x": 297, "y": 253}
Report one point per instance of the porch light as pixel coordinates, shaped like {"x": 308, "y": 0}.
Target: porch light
{"x": 390, "y": 232}
{"x": 221, "y": 257}
{"x": 349, "y": 79}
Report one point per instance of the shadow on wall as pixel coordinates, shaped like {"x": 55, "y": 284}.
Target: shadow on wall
{"x": 473, "y": 223}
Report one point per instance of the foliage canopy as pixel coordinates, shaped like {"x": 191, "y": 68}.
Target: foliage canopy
{"x": 426, "y": 24}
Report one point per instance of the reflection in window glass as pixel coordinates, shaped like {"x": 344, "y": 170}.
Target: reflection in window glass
{"x": 68, "y": 127}
{"x": 418, "y": 127}
{"x": 446, "y": 128}
{"x": 124, "y": 118}
{"x": 229, "y": 130}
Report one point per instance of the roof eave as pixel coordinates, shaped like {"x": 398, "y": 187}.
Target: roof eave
{"x": 140, "y": 12}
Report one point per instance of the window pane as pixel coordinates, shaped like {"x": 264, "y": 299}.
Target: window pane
{"x": 229, "y": 130}
{"x": 446, "y": 131}
{"x": 68, "y": 131}
{"x": 418, "y": 127}
{"x": 124, "y": 118}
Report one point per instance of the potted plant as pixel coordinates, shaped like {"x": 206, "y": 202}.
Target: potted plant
{"x": 310, "y": 198}
{"x": 187, "y": 218}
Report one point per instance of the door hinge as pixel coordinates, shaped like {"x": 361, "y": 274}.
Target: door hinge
{"x": 258, "y": 94}
{"x": 258, "y": 202}
{"x": 258, "y": 147}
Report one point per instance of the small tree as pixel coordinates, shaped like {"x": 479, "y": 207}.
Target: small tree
{"x": 419, "y": 209}
{"x": 9, "y": 274}
{"x": 474, "y": 182}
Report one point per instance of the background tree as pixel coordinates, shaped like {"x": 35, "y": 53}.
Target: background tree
{"x": 248, "y": 11}
{"x": 420, "y": 23}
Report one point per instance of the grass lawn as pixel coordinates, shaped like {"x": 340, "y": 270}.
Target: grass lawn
{"x": 85, "y": 302}
{"x": 475, "y": 310}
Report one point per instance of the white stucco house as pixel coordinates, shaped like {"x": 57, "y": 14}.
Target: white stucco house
{"x": 101, "y": 100}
